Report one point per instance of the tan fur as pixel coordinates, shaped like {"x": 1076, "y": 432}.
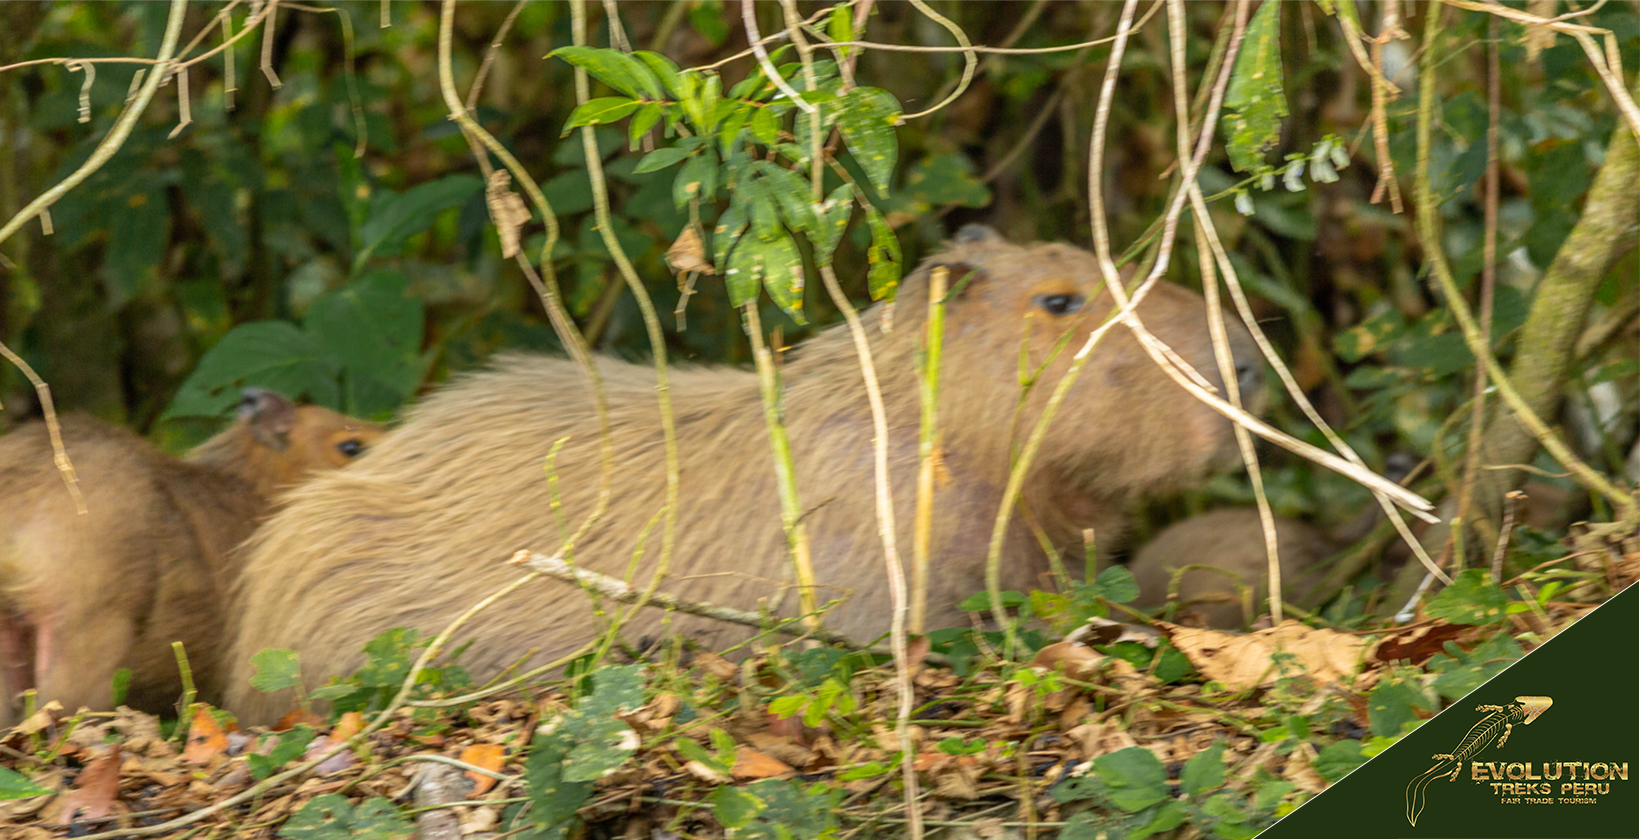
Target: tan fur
{"x": 84, "y": 595}
{"x": 1231, "y": 539}
{"x": 420, "y": 531}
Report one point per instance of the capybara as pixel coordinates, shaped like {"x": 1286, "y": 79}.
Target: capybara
{"x": 82, "y": 595}
{"x": 420, "y": 531}
{"x": 1231, "y": 539}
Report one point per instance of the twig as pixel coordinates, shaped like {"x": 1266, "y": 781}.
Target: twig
{"x": 748, "y": 16}
{"x": 490, "y": 54}
{"x": 65, "y": 467}
{"x": 270, "y": 13}
{"x": 928, "y": 451}
{"x": 970, "y": 61}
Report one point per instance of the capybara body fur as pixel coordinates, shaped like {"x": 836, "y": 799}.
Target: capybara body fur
{"x": 1231, "y": 539}
{"x": 82, "y": 595}
{"x": 420, "y": 531}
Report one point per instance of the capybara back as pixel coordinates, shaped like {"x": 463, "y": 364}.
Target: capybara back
{"x": 419, "y": 532}
{"x": 1231, "y": 539}
{"x": 82, "y": 595}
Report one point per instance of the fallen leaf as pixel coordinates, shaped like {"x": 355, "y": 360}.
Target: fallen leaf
{"x": 296, "y": 718}
{"x": 347, "y": 727}
{"x": 1418, "y": 645}
{"x": 488, "y": 756}
{"x": 95, "y": 789}
{"x": 206, "y": 739}
{"x": 1076, "y": 660}
{"x": 1300, "y": 772}
{"x": 44, "y": 717}
{"x": 1243, "y": 660}
{"x": 704, "y": 773}
{"x": 752, "y": 764}
{"x": 688, "y": 253}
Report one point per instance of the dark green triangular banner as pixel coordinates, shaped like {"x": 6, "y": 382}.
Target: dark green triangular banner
{"x": 1550, "y": 747}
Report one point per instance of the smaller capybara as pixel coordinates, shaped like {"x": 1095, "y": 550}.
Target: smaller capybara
{"x": 418, "y": 532}
{"x": 83, "y": 595}
{"x": 1231, "y": 539}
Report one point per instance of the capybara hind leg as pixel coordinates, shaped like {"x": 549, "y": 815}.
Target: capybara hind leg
{"x": 75, "y": 661}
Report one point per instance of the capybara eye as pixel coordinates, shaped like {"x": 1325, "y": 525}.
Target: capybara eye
{"x": 1060, "y": 304}
{"x": 350, "y": 447}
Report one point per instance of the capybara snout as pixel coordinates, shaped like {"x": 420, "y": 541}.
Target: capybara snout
{"x": 147, "y": 564}
{"x": 419, "y": 532}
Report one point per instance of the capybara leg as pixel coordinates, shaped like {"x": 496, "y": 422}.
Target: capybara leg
{"x": 75, "y": 661}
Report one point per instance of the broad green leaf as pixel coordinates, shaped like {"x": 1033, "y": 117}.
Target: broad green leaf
{"x": 614, "y": 68}
{"x": 867, "y": 121}
{"x": 604, "y": 740}
{"x": 732, "y": 121}
{"x": 883, "y": 255}
{"x": 664, "y": 70}
{"x": 697, "y": 179}
{"x": 1337, "y": 759}
{"x": 1204, "y": 771}
{"x": 14, "y": 785}
{"x": 840, "y": 27}
{"x": 599, "y": 111}
{"x": 946, "y": 179}
{"x": 1473, "y": 597}
{"x": 1392, "y": 705}
{"x": 692, "y": 751}
{"x": 269, "y": 354}
{"x": 700, "y": 99}
{"x": 666, "y": 156}
{"x": 1116, "y": 584}
{"x": 746, "y": 268}
{"x": 1134, "y": 778}
{"x": 331, "y": 816}
{"x": 783, "y": 275}
{"x": 1166, "y": 818}
{"x": 290, "y": 747}
{"x": 1256, "y": 101}
{"x": 643, "y": 120}
{"x": 373, "y": 327}
{"x": 765, "y": 126}
{"x": 726, "y": 233}
{"x": 398, "y": 217}
{"x": 792, "y": 193}
{"x": 831, "y": 219}
{"x": 553, "y": 798}
{"x": 388, "y": 658}
{"x": 276, "y": 668}
{"x": 734, "y": 808}
{"x": 792, "y": 811}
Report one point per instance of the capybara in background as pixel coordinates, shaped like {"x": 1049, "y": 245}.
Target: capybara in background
{"x": 420, "y": 531}
{"x": 1231, "y": 539}
{"x": 84, "y": 595}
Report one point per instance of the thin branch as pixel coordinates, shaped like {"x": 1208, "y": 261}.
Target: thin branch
{"x": 970, "y": 61}
{"x": 65, "y": 467}
{"x": 748, "y": 16}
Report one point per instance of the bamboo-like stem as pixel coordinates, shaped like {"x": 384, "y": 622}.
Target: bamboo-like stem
{"x": 791, "y": 507}
{"x": 928, "y": 448}
{"x": 646, "y": 306}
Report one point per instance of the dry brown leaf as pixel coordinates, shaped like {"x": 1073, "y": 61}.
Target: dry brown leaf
{"x": 1300, "y": 772}
{"x": 688, "y": 253}
{"x": 1417, "y": 645}
{"x": 488, "y": 756}
{"x": 207, "y": 741}
{"x": 347, "y": 727}
{"x": 1076, "y": 660}
{"x": 95, "y": 789}
{"x": 44, "y": 717}
{"x": 717, "y": 666}
{"x": 508, "y": 212}
{"x": 1243, "y": 660}
{"x": 753, "y": 764}
{"x": 296, "y": 718}
{"x": 705, "y": 774}
{"x": 1096, "y": 739}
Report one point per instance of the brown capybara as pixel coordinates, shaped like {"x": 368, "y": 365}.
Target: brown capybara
{"x": 82, "y": 595}
{"x": 420, "y": 531}
{"x": 1231, "y": 539}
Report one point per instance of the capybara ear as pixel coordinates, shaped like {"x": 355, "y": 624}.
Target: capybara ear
{"x": 959, "y": 277}
{"x": 976, "y": 233}
{"x": 269, "y": 415}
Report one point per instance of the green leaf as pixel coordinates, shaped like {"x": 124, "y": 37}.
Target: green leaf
{"x": 1472, "y": 598}
{"x": 665, "y": 71}
{"x": 373, "y": 327}
{"x": 884, "y": 257}
{"x": 727, "y": 232}
{"x": 607, "y": 109}
{"x": 1391, "y": 705}
{"x": 982, "y": 601}
{"x": 944, "y": 180}
{"x": 642, "y": 121}
{"x": 1204, "y": 771}
{"x": 1337, "y": 759}
{"x": 732, "y": 123}
{"x": 388, "y": 658}
{"x": 1168, "y": 817}
{"x": 290, "y": 747}
{"x": 605, "y": 741}
{"x": 276, "y": 668}
{"x": 692, "y": 751}
{"x": 269, "y": 354}
{"x": 734, "y": 808}
{"x": 831, "y": 220}
{"x": 697, "y": 179}
{"x": 1134, "y": 778}
{"x": 1256, "y": 101}
{"x": 553, "y": 799}
{"x": 331, "y": 817}
{"x": 1116, "y": 584}
{"x": 840, "y": 27}
{"x": 667, "y": 156}
{"x": 765, "y": 126}
{"x": 14, "y": 785}
{"x": 785, "y": 707}
{"x": 396, "y": 218}
{"x": 867, "y": 121}
{"x": 614, "y": 68}
{"x": 700, "y": 99}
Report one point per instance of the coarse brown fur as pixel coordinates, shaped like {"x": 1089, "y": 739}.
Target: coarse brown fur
{"x": 1231, "y": 539}
{"x": 420, "y": 531}
{"x": 82, "y": 595}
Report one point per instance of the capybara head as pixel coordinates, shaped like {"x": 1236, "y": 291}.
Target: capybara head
{"x": 274, "y": 442}
{"x": 1125, "y": 426}
{"x": 416, "y": 533}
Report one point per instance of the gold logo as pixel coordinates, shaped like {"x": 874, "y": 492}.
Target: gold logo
{"x": 1496, "y": 725}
